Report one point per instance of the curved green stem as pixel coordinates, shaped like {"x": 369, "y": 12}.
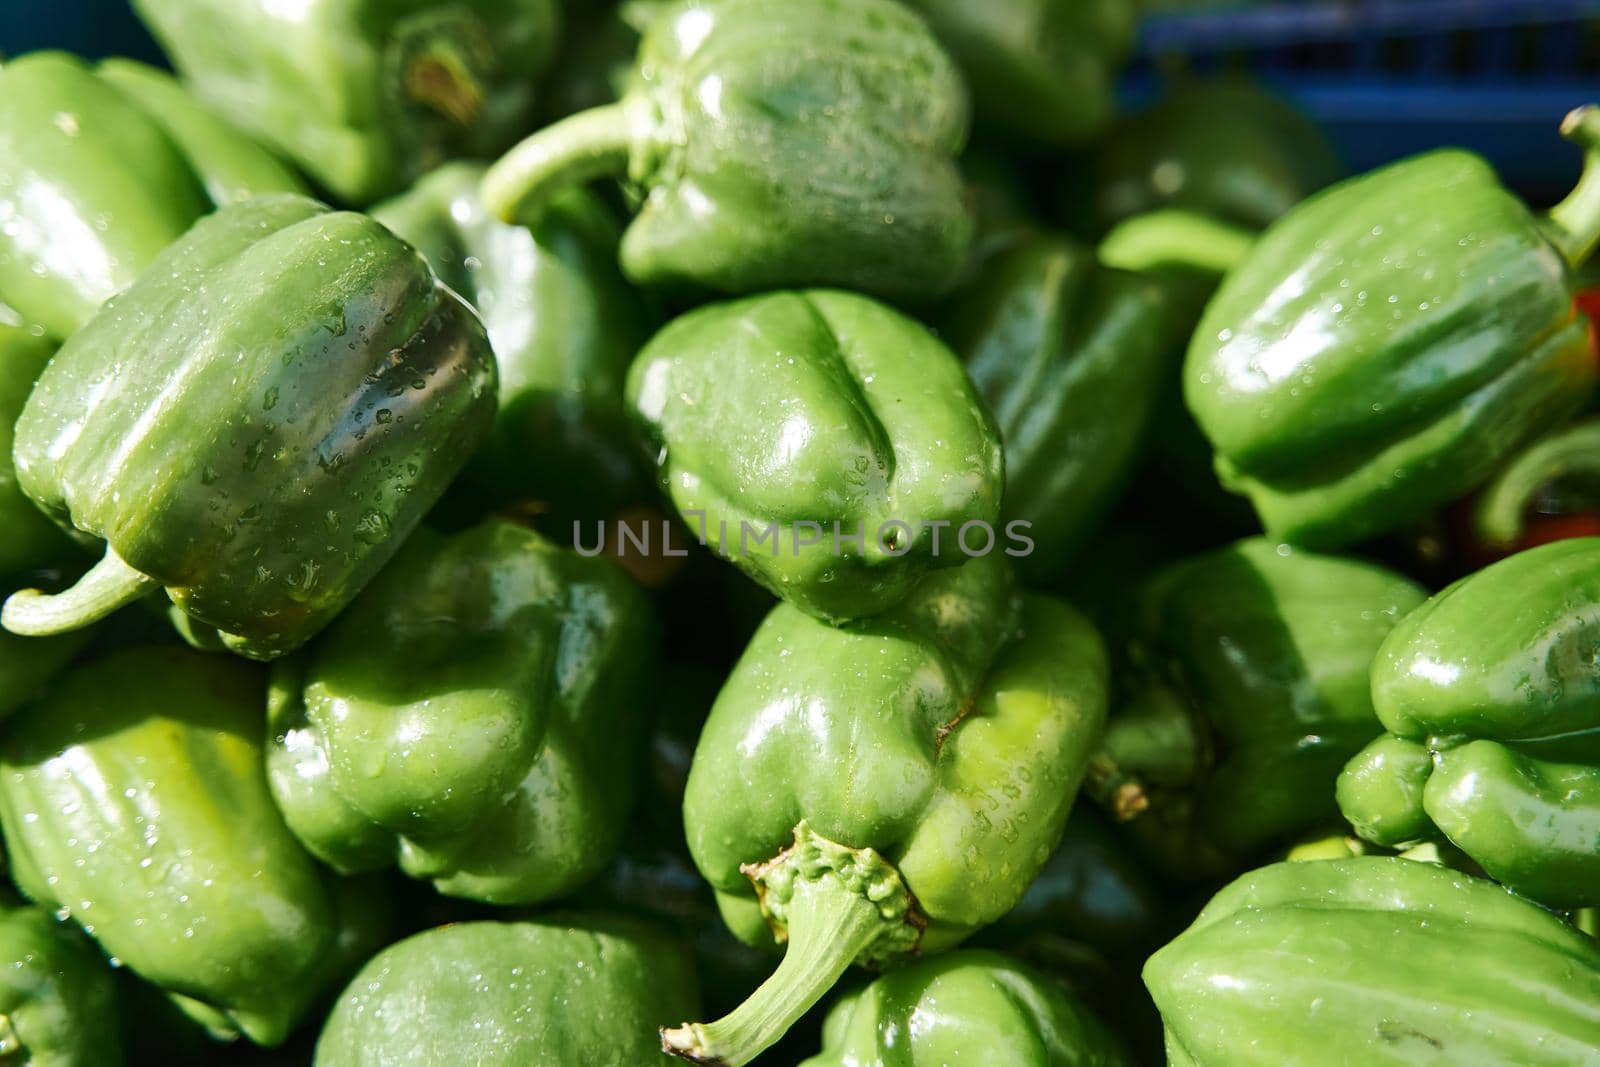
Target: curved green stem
{"x": 108, "y": 585}
{"x": 1170, "y": 237}
{"x": 1575, "y": 222}
{"x": 1502, "y": 508}
{"x": 580, "y": 148}
{"x": 829, "y": 926}
{"x": 1152, "y": 741}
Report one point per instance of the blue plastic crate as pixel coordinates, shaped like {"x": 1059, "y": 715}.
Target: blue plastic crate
{"x": 1392, "y": 77}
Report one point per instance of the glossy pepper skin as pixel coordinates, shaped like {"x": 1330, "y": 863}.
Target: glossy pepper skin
{"x": 1246, "y": 693}
{"x": 58, "y": 997}
{"x": 549, "y": 992}
{"x": 774, "y": 143}
{"x": 1490, "y": 698}
{"x": 255, "y": 425}
{"x": 1377, "y": 960}
{"x": 1071, "y": 357}
{"x": 828, "y": 416}
{"x": 1428, "y": 333}
{"x": 101, "y": 169}
{"x": 1041, "y": 70}
{"x": 564, "y": 326}
{"x": 133, "y": 798}
{"x": 966, "y": 1006}
{"x": 1223, "y": 147}
{"x": 888, "y": 787}
{"x": 476, "y": 717}
{"x": 365, "y": 96}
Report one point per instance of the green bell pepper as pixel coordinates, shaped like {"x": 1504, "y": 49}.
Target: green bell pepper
{"x": 256, "y": 424}
{"x": 473, "y": 716}
{"x": 1041, "y": 70}
{"x": 550, "y": 992}
{"x": 365, "y": 97}
{"x": 1246, "y": 692}
{"x": 1376, "y": 960}
{"x": 58, "y": 998}
{"x": 968, "y": 1006}
{"x": 866, "y": 792}
{"x": 1388, "y": 342}
{"x": 829, "y": 446}
{"x": 99, "y": 171}
{"x": 1071, "y": 357}
{"x": 133, "y": 799}
{"x": 1547, "y": 492}
{"x": 1224, "y": 147}
{"x": 564, "y": 326}
{"x": 774, "y": 143}
{"x": 1492, "y": 704}
{"x": 31, "y": 541}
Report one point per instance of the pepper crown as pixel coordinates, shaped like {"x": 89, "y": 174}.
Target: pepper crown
{"x": 835, "y": 906}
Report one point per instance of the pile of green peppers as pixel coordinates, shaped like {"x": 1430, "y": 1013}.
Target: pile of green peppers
{"x": 538, "y": 534}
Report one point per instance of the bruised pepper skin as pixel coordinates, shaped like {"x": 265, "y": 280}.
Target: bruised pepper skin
{"x": 865, "y": 792}
{"x": 1376, "y": 960}
{"x": 256, "y": 424}
{"x": 101, "y": 169}
{"x": 773, "y": 143}
{"x": 1492, "y": 703}
{"x": 1389, "y": 341}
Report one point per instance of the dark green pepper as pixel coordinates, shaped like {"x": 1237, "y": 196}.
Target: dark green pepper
{"x": 133, "y": 798}
{"x": 968, "y": 1006}
{"x": 1246, "y": 693}
{"x": 551, "y": 992}
{"x": 30, "y": 540}
{"x": 564, "y": 326}
{"x": 775, "y": 143}
{"x": 366, "y": 97}
{"x": 474, "y": 716}
{"x": 1376, "y": 960}
{"x": 58, "y": 997}
{"x": 256, "y": 424}
{"x": 889, "y": 787}
{"x": 1071, "y": 357}
{"x": 1224, "y": 147}
{"x": 1388, "y": 342}
{"x": 828, "y": 445}
{"x": 100, "y": 171}
{"x": 1492, "y": 704}
{"x": 1041, "y": 70}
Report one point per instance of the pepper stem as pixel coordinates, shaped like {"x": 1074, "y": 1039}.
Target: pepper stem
{"x": 1170, "y": 237}
{"x": 1499, "y": 518}
{"x": 579, "y": 148}
{"x": 108, "y": 585}
{"x": 835, "y": 906}
{"x": 1152, "y": 743}
{"x": 829, "y": 926}
{"x": 1575, "y": 222}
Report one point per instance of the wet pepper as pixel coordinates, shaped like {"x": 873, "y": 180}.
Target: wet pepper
{"x": 101, "y": 169}
{"x": 774, "y": 143}
{"x": 133, "y": 799}
{"x": 366, "y": 97}
{"x": 829, "y": 446}
{"x": 476, "y": 717}
{"x": 1490, "y": 698}
{"x": 58, "y": 996}
{"x": 1071, "y": 357}
{"x": 550, "y": 992}
{"x": 564, "y": 326}
{"x": 255, "y": 425}
{"x": 866, "y": 792}
{"x": 966, "y": 1006}
{"x": 1389, "y": 341}
{"x": 1246, "y": 693}
{"x": 1041, "y": 70}
{"x": 1377, "y": 960}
